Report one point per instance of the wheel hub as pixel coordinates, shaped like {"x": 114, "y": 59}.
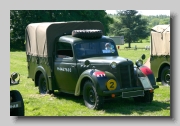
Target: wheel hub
{"x": 167, "y": 78}
{"x": 91, "y": 96}
{"x": 44, "y": 85}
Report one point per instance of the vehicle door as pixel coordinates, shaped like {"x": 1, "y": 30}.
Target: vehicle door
{"x": 65, "y": 68}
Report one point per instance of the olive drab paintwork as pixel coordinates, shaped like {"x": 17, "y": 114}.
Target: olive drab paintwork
{"x": 66, "y": 74}
{"x": 159, "y": 60}
{"x": 157, "y": 63}
{"x": 87, "y": 65}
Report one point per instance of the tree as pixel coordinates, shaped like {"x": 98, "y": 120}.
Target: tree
{"x": 114, "y": 27}
{"x": 156, "y": 20}
{"x": 19, "y": 19}
{"x": 131, "y": 25}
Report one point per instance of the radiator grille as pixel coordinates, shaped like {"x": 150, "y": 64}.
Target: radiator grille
{"x": 127, "y": 75}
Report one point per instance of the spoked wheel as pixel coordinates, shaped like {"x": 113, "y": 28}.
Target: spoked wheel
{"x": 91, "y": 99}
{"x": 16, "y": 96}
{"x": 165, "y": 76}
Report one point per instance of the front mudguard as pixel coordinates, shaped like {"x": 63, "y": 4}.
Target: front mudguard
{"x": 99, "y": 79}
{"x": 144, "y": 71}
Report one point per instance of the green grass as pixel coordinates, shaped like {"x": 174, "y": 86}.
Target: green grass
{"x": 134, "y": 54}
{"x": 61, "y": 104}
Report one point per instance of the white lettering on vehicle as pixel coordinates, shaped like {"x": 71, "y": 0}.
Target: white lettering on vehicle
{"x": 64, "y": 69}
{"x": 14, "y": 106}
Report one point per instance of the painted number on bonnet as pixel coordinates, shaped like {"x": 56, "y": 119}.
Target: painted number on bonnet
{"x": 111, "y": 84}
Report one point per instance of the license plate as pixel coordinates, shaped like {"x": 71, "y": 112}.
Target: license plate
{"x": 132, "y": 94}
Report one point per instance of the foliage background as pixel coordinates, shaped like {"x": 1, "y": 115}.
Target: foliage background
{"x": 19, "y": 19}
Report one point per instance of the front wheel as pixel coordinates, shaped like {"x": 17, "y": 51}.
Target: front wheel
{"x": 165, "y": 76}
{"x": 91, "y": 99}
{"x": 147, "y": 98}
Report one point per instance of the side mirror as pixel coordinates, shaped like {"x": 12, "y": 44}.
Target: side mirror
{"x": 143, "y": 56}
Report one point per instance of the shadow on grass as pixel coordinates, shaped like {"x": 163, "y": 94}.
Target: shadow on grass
{"x": 121, "y": 106}
{"x": 129, "y": 106}
{"x": 71, "y": 97}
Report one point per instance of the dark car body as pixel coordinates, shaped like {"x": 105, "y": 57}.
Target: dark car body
{"x": 83, "y": 66}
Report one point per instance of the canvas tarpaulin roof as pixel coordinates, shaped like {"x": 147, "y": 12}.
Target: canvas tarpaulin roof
{"x": 160, "y": 40}
{"x": 40, "y": 36}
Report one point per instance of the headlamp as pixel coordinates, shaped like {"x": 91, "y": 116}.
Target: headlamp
{"x": 113, "y": 65}
{"x": 139, "y": 63}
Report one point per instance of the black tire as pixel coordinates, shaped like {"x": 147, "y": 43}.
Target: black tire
{"x": 16, "y": 96}
{"x": 165, "y": 76}
{"x": 91, "y": 99}
{"x": 87, "y": 33}
{"x": 42, "y": 85}
{"x": 147, "y": 98}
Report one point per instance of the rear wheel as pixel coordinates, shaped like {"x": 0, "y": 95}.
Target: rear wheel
{"x": 91, "y": 99}
{"x": 42, "y": 84}
{"x": 16, "y": 96}
{"x": 165, "y": 76}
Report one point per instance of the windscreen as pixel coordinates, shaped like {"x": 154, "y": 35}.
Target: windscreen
{"x": 95, "y": 49}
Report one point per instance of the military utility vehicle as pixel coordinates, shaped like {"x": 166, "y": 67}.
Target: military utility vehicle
{"x": 159, "y": 61}
{"x": 77, "y": 58}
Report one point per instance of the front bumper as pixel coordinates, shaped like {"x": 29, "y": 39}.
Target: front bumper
{"x": 130, "y": 92}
